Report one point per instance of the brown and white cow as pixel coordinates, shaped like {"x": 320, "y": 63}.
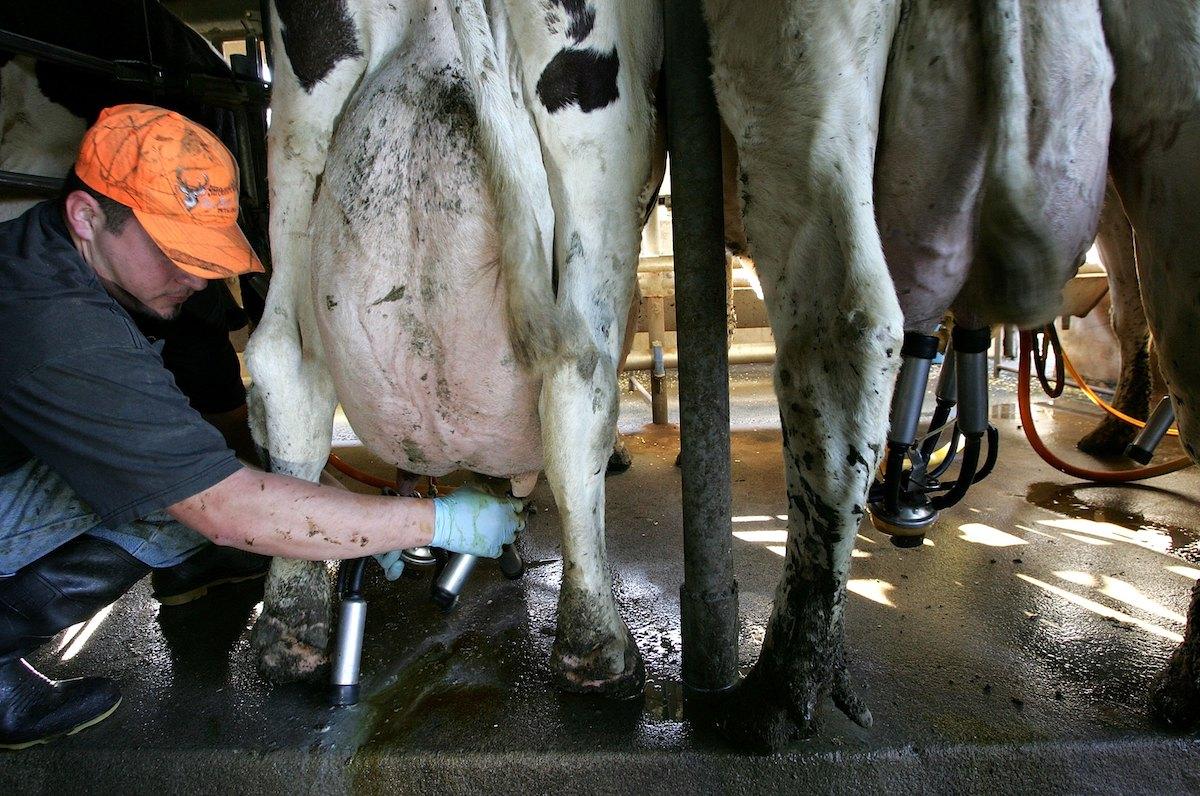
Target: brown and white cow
{"x": 456, "y": 196}
{"x": 902, "y": 158}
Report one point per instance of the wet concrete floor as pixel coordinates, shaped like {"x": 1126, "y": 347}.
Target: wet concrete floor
{"x": 1012, "y": 652}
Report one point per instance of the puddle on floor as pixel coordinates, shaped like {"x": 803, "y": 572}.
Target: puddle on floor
{"x": 427, "y": 685}
{"x": 664, "y": 701}
{"x": 1112, "y": 505}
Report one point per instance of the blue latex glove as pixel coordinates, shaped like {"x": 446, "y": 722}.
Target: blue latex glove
{"x": 392, "y": 563}
{"x": 474, "y": 522}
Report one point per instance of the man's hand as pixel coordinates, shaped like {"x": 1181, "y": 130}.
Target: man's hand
{"x": 474, "y": 522}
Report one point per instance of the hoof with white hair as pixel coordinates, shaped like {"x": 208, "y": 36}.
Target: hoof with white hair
{"x": 613, "y": 670}
{"x": 292, "y": 634}
{"x": 289, "y": 654}
{"x": 594, "y": 652}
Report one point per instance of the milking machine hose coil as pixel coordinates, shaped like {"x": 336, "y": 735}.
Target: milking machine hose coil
{"x": 1051, "y": 338}
{"x": 1031, "y": 433}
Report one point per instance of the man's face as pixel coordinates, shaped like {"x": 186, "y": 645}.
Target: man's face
{"x": 138, "y": 275}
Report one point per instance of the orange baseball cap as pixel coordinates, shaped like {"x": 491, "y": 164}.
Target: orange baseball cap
{"x": 180, "y": 181}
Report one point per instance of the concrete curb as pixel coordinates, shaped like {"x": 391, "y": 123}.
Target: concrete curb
{"x": 1125, "y": 766}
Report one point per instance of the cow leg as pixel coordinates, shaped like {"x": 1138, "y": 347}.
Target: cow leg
{"x": 596, "y": 147}
{"x": 291, "y": 406}
{"x": 833, "y": 312}
{"x": 620, "y": 459}
{"x": 1115, "y": 240}
{"x": 1155, "y": 164}
{"x": 292, "y": 399}
{"x": 593, "y": 650}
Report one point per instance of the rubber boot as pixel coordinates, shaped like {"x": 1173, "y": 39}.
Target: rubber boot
{"x": 35, "y": 709}
{"x": 212, "y": 566}
{"x": 63, "y": 588}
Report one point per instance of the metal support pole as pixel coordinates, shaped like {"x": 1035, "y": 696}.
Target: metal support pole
{"x": 658, "y": 388}
{"x": 708, "y": 596}
{"x": 656, "y": 321}
{"x": 998, "y": 353}
{"x": 657, "y": 326}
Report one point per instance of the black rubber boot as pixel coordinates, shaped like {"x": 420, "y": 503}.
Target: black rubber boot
{"x": 212, "y": 566}
{"x": 63, "y": 588}
{"x": 35, "y": 709}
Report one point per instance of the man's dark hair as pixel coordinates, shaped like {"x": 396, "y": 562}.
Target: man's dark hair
{"x": 115, "y": 213}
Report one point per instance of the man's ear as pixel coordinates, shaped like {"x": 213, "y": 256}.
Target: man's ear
{"x": 83, "y": 215}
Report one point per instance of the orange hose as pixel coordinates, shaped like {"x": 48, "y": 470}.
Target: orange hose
{"x": 1100, "y": 402}
{"x": 358, "y": 475}
{"x": 1100, "y": 476}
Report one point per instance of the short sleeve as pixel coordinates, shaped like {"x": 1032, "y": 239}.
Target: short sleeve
{"x": 111, "y": 422}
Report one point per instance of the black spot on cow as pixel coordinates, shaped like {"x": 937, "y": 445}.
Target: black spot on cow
{"x": 586, "y": 78}
{"x": 395, "y": 294}
{"x": 854, "y": 458}
{"x": 582, "y": 18}
{"x": 316, "y": 35}
{"x": 455, "y": 107}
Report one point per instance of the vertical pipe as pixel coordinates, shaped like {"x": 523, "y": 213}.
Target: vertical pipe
{"x": 658, "y": 389}
{"x": 264, "y": 13}
{"x": 708, "y": 596}
{"x": 997, "y": 353}
{"x": 656, "y": 321}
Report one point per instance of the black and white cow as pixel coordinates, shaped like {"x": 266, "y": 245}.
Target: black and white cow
{"x": 456, "y": 197}
{"x": 1114, "y": 239}
{"x": 959, "y": 152}
{"x": 45, "y": 107}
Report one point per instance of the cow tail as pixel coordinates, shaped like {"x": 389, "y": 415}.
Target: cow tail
{"x": 520, "y": 189}
{"x": 1017, "y": 274}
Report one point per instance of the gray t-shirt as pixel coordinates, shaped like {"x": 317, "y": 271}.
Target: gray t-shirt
{"x": 82, "y": 390}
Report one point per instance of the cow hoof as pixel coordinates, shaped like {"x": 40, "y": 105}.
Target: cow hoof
{"x": 619, "y": 461}
{"x": 767, "y": 711}
{"x": 1108, "y": 440}
{"x": 1175, "y": 693}
{"x": 289, "y": 652}
{"x": 615, "y": 671}
{"x": 753, "y": 716}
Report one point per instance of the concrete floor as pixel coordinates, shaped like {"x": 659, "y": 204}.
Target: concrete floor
{"x": 1010, "y": 653}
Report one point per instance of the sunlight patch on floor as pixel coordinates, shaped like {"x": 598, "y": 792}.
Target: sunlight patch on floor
{"x": 1147, "y": 538}
{"x": 776, "y": 535}
{"x": 978, "y": 533}
{"x": 89, "y": 628}
{"x": 873, "y": 589}
{"x": 1187, "y": 572}
{"x": 1102, "y": 610}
